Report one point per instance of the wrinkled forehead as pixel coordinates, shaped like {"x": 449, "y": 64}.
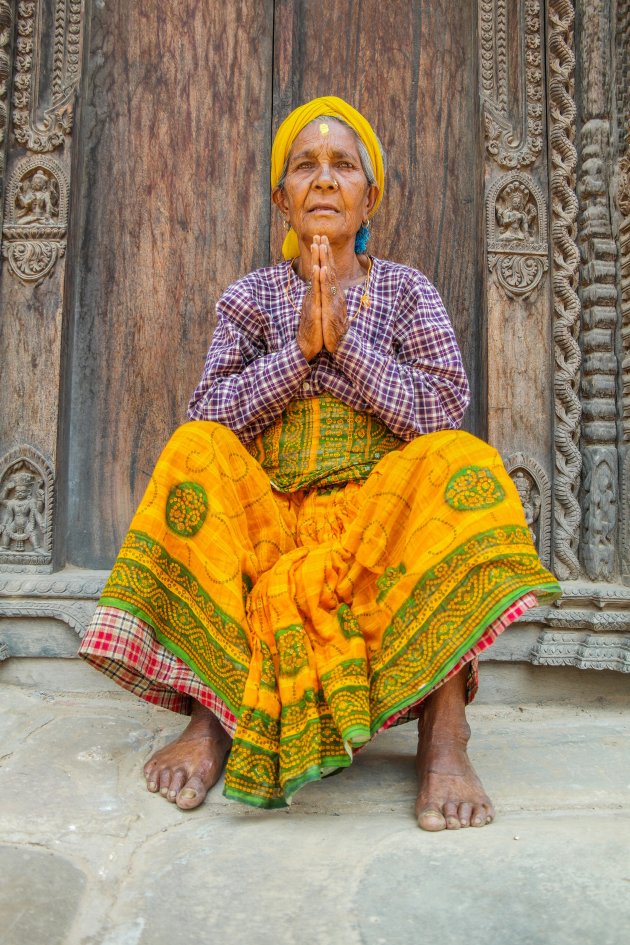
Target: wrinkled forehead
{"x": 325, "y": 133}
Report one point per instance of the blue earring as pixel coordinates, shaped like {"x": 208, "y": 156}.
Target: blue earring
{"x": 362, "y": 237}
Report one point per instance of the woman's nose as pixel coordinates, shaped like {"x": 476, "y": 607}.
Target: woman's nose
{"x": 324, "y": 178}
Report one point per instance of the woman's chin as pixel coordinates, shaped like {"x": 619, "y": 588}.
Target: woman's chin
{"x": 325, "y": 226}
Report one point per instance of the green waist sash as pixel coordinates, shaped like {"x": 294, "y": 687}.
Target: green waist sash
{"x": 321, "y": 441}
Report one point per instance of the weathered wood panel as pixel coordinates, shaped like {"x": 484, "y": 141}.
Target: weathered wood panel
{"x": 30, "y": 344}
{"x": 411, "y": 68}
{"x": 173, "y": 206}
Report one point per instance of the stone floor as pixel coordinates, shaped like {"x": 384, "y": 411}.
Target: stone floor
{"x": 88, "y": 857}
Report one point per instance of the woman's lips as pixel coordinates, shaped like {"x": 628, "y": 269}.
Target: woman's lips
{"x": 323, "y": 209}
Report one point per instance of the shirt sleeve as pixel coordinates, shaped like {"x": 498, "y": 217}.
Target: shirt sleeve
{"x": 244, "y": 386}
{"x": 420, "y": 386}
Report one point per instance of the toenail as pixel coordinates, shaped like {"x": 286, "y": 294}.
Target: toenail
{"x": 187, "y": 794}
{"x": 172, "y": 794}
{"x": 164, "y": 791}
{"x": 152, "y": 785}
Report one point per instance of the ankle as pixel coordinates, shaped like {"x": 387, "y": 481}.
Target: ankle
{"x": 445, "y": 727}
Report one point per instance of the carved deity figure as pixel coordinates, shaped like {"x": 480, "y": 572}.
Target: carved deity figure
{"x": 37, "y": 199}
{"x": 22, "y": 519}
{"x": 515, "y": 213}
{"x": 603, "y": 504}
{"x": 530, "y": 500}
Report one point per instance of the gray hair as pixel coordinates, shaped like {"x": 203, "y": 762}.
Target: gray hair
{"x": 364, "y": 157}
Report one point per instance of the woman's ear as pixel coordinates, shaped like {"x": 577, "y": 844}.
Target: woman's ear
{"x": 279, "y": 198}
{"x": 372, "y": 194}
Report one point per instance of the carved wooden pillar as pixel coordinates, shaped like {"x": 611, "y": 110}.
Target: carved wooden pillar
{"x": 6, "y": 71}
{"x": 519, "y": 329}
{"x": 565, "y": 302}
{"x": 622, "y": 202}
{"x": 598, "y": 294}
{"x": 527, "y": 91}
{"x": 46, "y": 72}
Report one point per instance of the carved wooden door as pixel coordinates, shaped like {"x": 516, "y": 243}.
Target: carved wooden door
{"x": 174, "y": 200}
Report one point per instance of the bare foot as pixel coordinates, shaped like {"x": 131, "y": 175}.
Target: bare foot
{"x": 450, "y": 794}
{"x": 184, "y": 771}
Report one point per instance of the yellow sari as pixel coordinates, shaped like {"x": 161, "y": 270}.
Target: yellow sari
{"x": 319, "y": 612}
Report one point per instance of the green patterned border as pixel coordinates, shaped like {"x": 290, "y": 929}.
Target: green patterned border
{"x": 230, "y": 672}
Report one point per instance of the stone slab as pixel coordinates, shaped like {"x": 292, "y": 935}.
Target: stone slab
{"x": 40, "y": 893}
{"x": 345, "y": 865}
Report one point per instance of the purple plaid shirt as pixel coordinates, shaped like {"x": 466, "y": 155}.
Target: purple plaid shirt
{"x": 399, "y": 358}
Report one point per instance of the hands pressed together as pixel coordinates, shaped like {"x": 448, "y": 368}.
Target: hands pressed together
{"x": 324, "y": 318}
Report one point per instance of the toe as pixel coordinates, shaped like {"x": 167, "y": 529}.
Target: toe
{"x": 176, "y": 784}
{"x": 192, "y": 794}
{"x": 165, "y": 780}
{"x": 451, "y": 815}
{"x": 431, "y": 819}
{"x": 465, "y": 813}
{"x": 479, "y": 816}
{"x": 152, "y": 776}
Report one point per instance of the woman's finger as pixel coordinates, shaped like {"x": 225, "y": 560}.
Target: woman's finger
{"x": 316, "y": 287}
{"x": 329, "y": 263}
{"x": 328, "y": 288}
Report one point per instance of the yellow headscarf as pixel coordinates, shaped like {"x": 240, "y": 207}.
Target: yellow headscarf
{"x": 299, "y": 119}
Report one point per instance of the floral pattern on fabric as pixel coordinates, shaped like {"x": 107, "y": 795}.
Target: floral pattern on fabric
{"x": 473, "y": 488}
{"x": 186, "y": 508}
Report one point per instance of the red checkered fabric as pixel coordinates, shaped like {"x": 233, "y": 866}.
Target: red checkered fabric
{"x": 126, "y": 649}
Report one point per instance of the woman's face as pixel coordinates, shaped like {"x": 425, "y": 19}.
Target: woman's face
{"x": 325, "y": 152}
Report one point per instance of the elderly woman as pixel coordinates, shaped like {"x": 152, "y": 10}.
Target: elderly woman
{"x": 320, "y": 553}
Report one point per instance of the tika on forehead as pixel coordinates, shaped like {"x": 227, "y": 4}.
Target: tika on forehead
{"x": 323, "y": 128}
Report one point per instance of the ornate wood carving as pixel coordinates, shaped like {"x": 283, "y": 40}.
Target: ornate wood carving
{"x": 27, "y": 496}
{"x": 602, "y": 596}
{"x": 622, "y": 55}
{"x": 588, "y": 620}
{"x": 566, "y": 304}
{"x": 534, "y": 489}
{"x": 75, "y": 613}
{"x": 512, "y": 144}
{"x": 6, "y": 28}
{"x": 623, "y": 203}
{"x": 623, "y": 206}
{"x": 598, "y": 294}
{"x": 516, "y": 220}
{"x": 625, "y": 519}
{"x": 6, "y": 69}
{"x": 586, "y": 651}
{"x": 64, "y": 584}
{"x": 600, "y": 512}
{"x": 43, "y": 126}
{"x": 37, "y": 217}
